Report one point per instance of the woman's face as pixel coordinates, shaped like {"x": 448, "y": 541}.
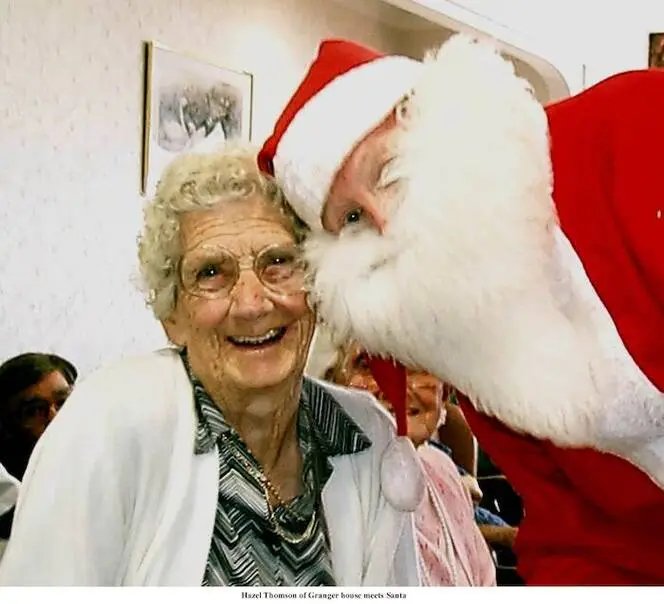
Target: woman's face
{"x": 423, "y": 397}
{"x": 250, "y": 337}
{"x": 36, "y": 406}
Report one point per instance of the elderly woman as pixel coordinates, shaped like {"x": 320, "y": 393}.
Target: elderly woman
{"x": 453, "y": 552}
{"x": 214, "y": 462}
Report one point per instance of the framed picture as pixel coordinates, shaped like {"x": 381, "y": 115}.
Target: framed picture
{"x": 656, "y": 50}
{"x": 190, "y": 105}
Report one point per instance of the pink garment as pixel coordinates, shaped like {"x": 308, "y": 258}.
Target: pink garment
{"x": 452, "y": 548}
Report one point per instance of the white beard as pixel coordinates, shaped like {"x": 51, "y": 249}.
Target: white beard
{"x": 472, "y": 288}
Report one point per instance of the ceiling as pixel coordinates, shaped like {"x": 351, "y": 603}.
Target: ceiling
{"x": 384, "y": 12}
{"x": 428, "y": 34}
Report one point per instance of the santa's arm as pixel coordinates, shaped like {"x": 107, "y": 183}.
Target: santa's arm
{"x": 615, "y": 225}
{"x": 603, "y": 477}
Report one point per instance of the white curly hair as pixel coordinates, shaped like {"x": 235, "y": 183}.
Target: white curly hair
{"x": 196, "y": 182}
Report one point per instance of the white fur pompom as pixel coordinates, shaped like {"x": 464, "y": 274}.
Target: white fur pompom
{"x": 401, "y": 475}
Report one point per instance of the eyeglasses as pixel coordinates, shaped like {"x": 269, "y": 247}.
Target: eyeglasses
{"x": 213, "y": 272}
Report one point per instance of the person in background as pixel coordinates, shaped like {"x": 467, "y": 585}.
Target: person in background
{"x": 452, "y": 549}
{"x": 454, "y": 430}
{"x": 453, "y": 436}
{"x": 456, "y": 434}
{"x": 33, "y": 388}
{"x": 213, "y": 462}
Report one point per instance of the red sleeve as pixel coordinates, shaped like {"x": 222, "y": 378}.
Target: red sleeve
{"x": 608, "y": 162}
{"x": 609, "y": 483}
{"x": 543, "y": 474}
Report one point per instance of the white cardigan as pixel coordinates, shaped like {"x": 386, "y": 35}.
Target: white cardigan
{"x": 114, "y": 494}
{"x": 8, "y": 495}
{"x": 8, "y": 490}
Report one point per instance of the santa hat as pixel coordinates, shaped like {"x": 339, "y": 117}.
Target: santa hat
{"x": 347, "y": 92}
{"x": 349, "y": 89}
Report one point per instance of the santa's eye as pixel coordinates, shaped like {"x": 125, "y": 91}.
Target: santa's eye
{"x": 353, "y": 216}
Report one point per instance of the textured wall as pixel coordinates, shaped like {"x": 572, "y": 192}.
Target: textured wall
{"x": 71, "y": 137}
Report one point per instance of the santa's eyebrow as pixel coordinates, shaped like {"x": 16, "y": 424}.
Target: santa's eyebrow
{"x": 383, "y": 165}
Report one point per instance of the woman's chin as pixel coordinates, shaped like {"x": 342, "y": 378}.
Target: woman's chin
{"x": 259, "y": 374}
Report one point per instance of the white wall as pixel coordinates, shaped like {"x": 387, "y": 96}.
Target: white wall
{"x": 621, "y": 43}
{"x": 71, "y": 140}
{"x": 417, "y": 44}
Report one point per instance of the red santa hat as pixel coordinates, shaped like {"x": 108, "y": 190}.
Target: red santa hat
{"x": 348, "y": 90}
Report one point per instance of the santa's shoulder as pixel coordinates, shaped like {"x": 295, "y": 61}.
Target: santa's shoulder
{"x": 621, "y": 98}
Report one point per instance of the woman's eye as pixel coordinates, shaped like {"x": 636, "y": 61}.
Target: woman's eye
{"x": 207, "y": 272}
{"x": 353, "y": 216}
{"x": 362, "y": 362}
{"x": 282, "y": 258}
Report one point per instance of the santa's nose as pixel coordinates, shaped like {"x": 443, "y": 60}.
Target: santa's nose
{"x": 376, "y": 217}
{"x": 372, "y": 209}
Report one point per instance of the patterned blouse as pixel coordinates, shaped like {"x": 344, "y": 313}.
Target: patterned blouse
{"x": 246, "y": 549}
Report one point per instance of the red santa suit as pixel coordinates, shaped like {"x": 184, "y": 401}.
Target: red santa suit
{"x": 591, "y": 518}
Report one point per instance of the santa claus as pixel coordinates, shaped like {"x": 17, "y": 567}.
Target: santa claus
{"x": 516, "y": 252}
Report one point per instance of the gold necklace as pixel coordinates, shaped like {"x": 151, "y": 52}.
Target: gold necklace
{"x": 267, "y": 486}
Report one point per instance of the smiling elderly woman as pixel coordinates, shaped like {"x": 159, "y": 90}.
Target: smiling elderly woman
{"x": 214, "y": 462}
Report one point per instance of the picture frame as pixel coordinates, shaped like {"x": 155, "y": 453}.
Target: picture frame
{"x": 190, "y": 105}
{"x": 656, "y": 50}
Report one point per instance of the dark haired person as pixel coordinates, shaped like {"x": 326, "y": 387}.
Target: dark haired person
{"x": 33, "y": 387}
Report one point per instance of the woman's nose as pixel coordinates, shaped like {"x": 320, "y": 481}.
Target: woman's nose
{"x": 249, "y": 298}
